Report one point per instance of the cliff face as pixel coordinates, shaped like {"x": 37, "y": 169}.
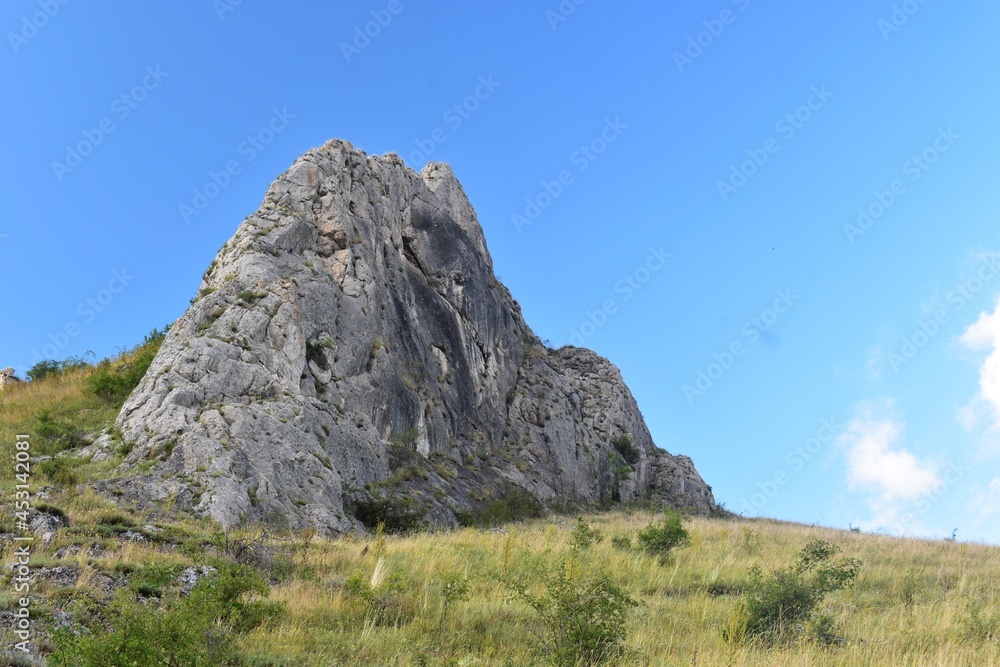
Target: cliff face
{"x": 351, "y": 335}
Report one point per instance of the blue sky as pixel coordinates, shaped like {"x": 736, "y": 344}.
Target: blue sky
{"x": 740, "y": 138}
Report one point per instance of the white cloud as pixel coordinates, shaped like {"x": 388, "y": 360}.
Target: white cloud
{"x": 893, "y": 477}
{"x": 985, "y": 505}
{"x": 984, "y": 334}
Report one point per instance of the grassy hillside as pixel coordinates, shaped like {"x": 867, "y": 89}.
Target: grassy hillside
{"x": 455, "y": 597}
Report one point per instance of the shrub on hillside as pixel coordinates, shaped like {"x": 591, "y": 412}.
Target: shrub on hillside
{"x": 583, "y": 620}
{"x": 626, "y": 448}
{"x": 44, "y": 369}
{"x": 515, "y": 505}
{"x": 397, "y": 513}
{"x": 56, "y": 435}
{"x": 783, "y": 605}
{"x": 60, "y": 470}
{"x": 659, "y": 538}
{"x": 50, "y": 367}
{"x": 114, "y": 380}
{"x": 584, "y": 536}
{"x": 379, "y": 597}
{"x": 201, "y": 628}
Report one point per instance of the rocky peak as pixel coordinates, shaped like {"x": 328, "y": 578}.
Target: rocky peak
{"x": 352, "y": 339}
{"x": 7, "y": 377}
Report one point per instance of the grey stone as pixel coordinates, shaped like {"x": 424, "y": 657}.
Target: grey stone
{"x": 7, "y": 377}
{"x": 41, "y": 523}
{"x": 190, "y": 577}
{"x": 357, "y": 308}
{"x": 59, "y": 576}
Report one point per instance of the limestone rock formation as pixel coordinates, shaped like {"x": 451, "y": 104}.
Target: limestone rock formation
{"x": 352, "y": 336}
{"x": 7, "y": 377}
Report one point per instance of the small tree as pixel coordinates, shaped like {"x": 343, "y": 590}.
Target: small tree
{"x": 780, "y": 606}
{"x": 658, "y": 539}
{"x": 584, "y": 535}
{"x": 583, "y": 621}
{"x": 44, "y": 369}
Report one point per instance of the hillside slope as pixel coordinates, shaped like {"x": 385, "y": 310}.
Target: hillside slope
{"x": 445, "y": 598}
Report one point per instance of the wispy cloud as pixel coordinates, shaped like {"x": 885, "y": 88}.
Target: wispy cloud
{"x": 987, "y": 504}
{"x": 984, "y": 334}
{"x": 874, "y": 362}
{"x": 892, "y": 476}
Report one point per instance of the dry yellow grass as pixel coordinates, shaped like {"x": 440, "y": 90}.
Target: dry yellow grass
{"x": 63, "y": 396}
{"x": 684, "y": 604}
{"x": 915, "y": 603}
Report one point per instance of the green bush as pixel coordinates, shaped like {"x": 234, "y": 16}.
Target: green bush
{"x": 380, "y": 597}
{"x": 60, "y": 470}
{"x": 783, "y": 605}
{"x": 583, "y": 621}
{"x": 49, "y": 367}
{"x": 584, "y": 535}
{"x": 57, "y": 435}
{"x": 402, "y": 455}
{"x": 154, "y": 580}
{"x": 250, "y": 297}
{"x": 397, "y": 513}
{"x": 658, "y": 539}
{"x": 515, "y": 505}
{"x": 201, "y": 628}
{"x": 626, "y": 448}
{"x": 44, "y": 369}
{"x": 113, "y": 381}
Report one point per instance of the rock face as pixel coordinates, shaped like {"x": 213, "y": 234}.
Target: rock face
{"x": 352, "y": 335}
{"x": 7, "y": 377}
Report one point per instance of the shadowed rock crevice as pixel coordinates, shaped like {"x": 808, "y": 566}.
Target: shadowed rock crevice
{"x": 355, "y": 315}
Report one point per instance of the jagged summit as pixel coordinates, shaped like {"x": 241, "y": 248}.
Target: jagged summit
{"x": 352, "y": 335}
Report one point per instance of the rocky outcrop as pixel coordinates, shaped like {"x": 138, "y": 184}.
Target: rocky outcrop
{"x": 7, "y": 377}
{"x": 350, "y": 339}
